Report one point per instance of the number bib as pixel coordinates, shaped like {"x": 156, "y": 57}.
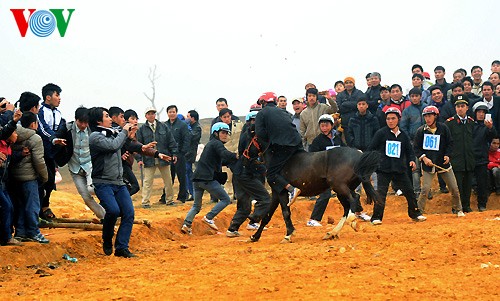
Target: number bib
{"x": 431, "y": 142}
{"x": 393, "y": 149}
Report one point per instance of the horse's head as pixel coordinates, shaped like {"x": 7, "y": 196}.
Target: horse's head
{"x": 255, "y": 149}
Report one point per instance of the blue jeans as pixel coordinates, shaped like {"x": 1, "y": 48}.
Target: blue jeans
{"x": 28, "y": 208}
{"x": 6, "y": 215}
{"x": 216, "y": 190}
{"x": 189, "y": 177}
{"x": 115, "y": 199}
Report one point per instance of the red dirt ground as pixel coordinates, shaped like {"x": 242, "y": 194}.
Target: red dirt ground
{"x": 443, "y": 258}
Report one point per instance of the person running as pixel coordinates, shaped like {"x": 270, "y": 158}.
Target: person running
{"x": 274, "y": 126}
{"x": 208, "y": 176}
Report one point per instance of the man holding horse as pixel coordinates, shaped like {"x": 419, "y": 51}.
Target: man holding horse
{"x": 274, "y": 126}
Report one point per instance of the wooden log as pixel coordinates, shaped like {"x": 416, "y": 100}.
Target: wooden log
{"x": 83, "y": 226}
{"x": 145, "y": 222}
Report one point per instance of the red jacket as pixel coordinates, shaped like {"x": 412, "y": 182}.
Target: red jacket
{"x": 494, "y": 158}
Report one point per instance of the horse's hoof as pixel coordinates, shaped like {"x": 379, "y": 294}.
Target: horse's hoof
{"x": 286, "y": 240}
{"x": 355, "y": 226}
{"x": 329, "y": 235}
{"x": 252, "y": 239}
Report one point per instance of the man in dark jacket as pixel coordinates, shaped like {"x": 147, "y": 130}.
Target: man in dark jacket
{"x": 483, "y": 133}
{"x": 347, "y": 101}
{"x": 373, "y": 92}
{"x": 154, "y": 130}
{"x": 462, "y": 158}
{"x": 433, "y": 146}
{"x": 439, "y": 73}
{"x": 193, "y": 118}
{"x": 396, "y": 150}
{"x": 362, "y": 127}
{"x": 183, "y": 138}
{"x": 274, "y": 126}
{"x": 247, "y": 174}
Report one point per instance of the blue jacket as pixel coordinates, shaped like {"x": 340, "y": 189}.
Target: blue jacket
{"x": 412, "y": 119}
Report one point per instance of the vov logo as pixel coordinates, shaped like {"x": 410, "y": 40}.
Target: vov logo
{"x": 42, "y": 23}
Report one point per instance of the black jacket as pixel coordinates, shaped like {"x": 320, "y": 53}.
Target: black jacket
{"x": 211, "y": 160}
{"x": 361, "y": 130}
{"x": 275, "y": 126}
{"x": 445, "y": 146}
{"x": 348, "y": 104}
{"x": 482, "y": 139}
{"x": 321, "y": 142}
{"x": 181, "y": 135}
{"x": 165, "y": 142}
{"x": 462, "y": 156}
{"x": 195, "y": 140}
{"x": 373, "y": 96}
{"x": 392, "y": 164}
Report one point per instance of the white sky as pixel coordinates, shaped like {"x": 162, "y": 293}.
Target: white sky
{"x": 234, "y": 49}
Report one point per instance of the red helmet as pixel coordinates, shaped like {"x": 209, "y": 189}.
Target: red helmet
{"x": 268, "y": 97}
{"x": 430, "y": 110}
{"x": 255, "y": 107}
{"x": 393, "y": 110}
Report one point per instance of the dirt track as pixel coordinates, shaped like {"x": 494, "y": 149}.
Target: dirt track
{"x": 442, "y": 258}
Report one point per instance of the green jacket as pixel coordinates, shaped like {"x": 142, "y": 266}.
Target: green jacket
{"x": 462, "y": 155}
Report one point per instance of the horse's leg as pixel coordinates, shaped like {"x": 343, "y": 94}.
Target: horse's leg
{"x": 334, "y": 233}
{"x": 287, "y": 216}
{"x": 275, "y": 201}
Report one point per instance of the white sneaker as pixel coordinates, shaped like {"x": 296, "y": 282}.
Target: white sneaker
{"x": 254, "y": 226}
{"x": 376, "y": 222}
{"x": 186, "y": 230}
{"x": 460, "y": 214}
{"x": 399, "y": 192}
{"x": 420, "y": 218}
{"x": 364, "y": 217}
{"x": 210, "y": 222}
{"x": 313, "y": 223}
{"x": 232, "y": 234}
{"x": 292, "y": 196}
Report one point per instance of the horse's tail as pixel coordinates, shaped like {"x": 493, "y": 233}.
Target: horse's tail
{"x": 367, "y": 164}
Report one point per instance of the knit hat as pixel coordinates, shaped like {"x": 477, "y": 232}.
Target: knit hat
{"x": 350, "y": 78}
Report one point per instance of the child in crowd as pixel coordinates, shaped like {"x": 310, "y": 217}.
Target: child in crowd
{"x": 27, "y": 175}
{"x": 494, "y": 165}
{"x": 8, "y": 136}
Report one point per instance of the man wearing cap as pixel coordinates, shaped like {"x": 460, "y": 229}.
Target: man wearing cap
{"x": 298, "y": 107}
{"x": 309, "y": 127}
{"x": 154, "y": 130}
{"x": 462, "y": 157}
{"x": 347, "y": 101}
{"x": 483, "y": 134}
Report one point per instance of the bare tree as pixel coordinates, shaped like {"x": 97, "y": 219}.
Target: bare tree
{"x": 152, "y": 79}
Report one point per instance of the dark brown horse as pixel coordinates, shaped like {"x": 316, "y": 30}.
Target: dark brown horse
{"x": 341, "y": 169}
